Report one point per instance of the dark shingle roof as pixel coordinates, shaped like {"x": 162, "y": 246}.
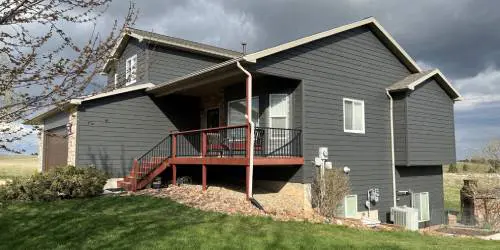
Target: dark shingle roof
{"x": 407, "y": 81}
{"x": 178, "y": 42}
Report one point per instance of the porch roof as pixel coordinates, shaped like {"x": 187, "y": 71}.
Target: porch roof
{"x": 217, "y": 72}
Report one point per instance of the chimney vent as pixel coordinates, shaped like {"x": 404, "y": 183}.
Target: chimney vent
{"x": 244, "y": 47}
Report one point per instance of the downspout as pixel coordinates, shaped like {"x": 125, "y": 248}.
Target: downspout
{"x": 393, "y": 158}
{"x": 249, "y": 120}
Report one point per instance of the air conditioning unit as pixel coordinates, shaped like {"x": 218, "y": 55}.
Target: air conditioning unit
{"x": 406, "y": 217}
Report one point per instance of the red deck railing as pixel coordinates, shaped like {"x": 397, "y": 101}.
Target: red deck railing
{"x": 231, "y": 141}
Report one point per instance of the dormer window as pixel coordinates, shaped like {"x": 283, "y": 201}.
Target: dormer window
{"x": 131, "y": 70}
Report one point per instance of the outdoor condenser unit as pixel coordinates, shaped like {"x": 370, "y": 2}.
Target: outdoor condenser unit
{"x": 406, "y": 217}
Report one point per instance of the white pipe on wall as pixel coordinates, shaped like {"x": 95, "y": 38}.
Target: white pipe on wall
{"x": 393, "y": 157}
{"x": 249, "y": 119}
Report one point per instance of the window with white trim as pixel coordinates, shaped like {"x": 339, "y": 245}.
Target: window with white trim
{"x": 237, "y": 109}
{"x": 131, "y": 70}
{"x": 116, "y": 80}
{"x": 279, "y": 112}
{"x": 421, "y": 201}
{"x": 354, "y": 116}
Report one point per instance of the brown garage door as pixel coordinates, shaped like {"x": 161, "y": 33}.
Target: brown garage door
{"x": 55, "y": 148}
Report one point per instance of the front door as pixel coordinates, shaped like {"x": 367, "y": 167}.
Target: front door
{"x": 213, "y": 118}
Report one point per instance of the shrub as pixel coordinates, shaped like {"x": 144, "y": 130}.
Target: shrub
{"x": 335, "y": 188}
{"x": 465, "y": 168}
{"x": 453, "y": 168}
{"x": 491, "y": 170}
{"x": 61, "y": 182}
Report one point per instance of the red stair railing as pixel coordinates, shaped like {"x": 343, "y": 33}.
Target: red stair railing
{"x": 149, "y": 161}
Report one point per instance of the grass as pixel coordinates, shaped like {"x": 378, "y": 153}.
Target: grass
{"x": 472, "y": 167}
{"x": 454, "y": 182}
{"x": 139, "y": 222}
{"x": 17, "y": 165}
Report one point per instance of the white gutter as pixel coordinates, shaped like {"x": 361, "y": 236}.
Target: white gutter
{"x": 249, "y": 119}
{"x": 393, "y": 158}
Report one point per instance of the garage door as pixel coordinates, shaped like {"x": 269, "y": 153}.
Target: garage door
{"x": 55, "y": 148}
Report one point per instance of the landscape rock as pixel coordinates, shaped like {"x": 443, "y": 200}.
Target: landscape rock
{"x": 232, "y": 200}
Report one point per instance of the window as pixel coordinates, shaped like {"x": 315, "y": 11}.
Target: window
{"x": 348, "y": 208}
{"x": 116, "y": 80}
{"x": 131, "y": 70}
{"x": 279, "y": 108}
{"x": 420, "y": 201}
{"x": 354, "y": 116}
{"x": 237, "y": 111}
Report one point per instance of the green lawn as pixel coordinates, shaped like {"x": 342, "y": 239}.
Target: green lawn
{"x": 139, "y": 222}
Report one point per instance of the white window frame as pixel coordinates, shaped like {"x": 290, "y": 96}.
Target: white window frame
{"x": 128, "y": 70}
{"x": 116, "y": 80}
{"x": 244, "y": 100}
{"x": 286, "y": 116}
{"x": 420, "y": 205}
{"x": 361, "y": 131}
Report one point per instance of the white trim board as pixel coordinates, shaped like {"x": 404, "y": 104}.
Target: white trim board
{"x": 410, "y": 63}
{"x": 431, "y": 73}
{"x": 77, "y": 101}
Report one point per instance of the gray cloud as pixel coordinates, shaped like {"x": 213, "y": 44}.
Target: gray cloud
{"x": 460, "y": 37}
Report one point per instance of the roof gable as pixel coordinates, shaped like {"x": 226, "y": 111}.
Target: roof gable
{"x": 412, "y": 81}
{"x": 168, "y": 41}
{"x": 371, "y": 22}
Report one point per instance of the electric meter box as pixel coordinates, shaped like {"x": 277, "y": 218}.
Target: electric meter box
{"x": 323, "y": 153}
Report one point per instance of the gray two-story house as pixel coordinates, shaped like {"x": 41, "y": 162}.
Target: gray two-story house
{"x": 183, "y": 108}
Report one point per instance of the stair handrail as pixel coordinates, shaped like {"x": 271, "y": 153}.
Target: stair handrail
{"x": 156, "y": 155}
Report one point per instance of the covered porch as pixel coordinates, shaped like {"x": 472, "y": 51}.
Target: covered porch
{"x": 214, "y": 126}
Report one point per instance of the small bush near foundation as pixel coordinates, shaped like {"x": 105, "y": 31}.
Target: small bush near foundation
{"x": 465, "y": 168}
{"x": 328, "y": 195}
{"x": 453, "y": 168}
{"x": 61, "y": 182}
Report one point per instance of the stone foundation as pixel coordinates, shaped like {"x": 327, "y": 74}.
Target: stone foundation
{"x": 41, "y": 141}
{"x": 281, "y": 196}
{"x": 72, "y": 137}
{"x": 112, "y": 183}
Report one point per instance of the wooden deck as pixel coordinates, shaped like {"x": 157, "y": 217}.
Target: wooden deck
{"x": 238, "y": 161}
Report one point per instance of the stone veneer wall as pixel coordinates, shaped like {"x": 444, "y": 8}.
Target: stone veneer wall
{"x": 41, "y": 141}
{"x": 73, "y": 119}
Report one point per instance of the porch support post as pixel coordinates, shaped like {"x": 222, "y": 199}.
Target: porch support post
{"x": 174, "y": 174}
{"x": 247, "y": 181}
{"x": 204, "y": 177}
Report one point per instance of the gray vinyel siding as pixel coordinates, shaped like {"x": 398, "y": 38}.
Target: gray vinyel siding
{"x": 157, "y": 64}
{"x": 353, "y": 64}
{"x": 134, "y": 47}
{"x": 113, "y": 131}
{"x": 424, "y": 126}
{"x": 430, "y": 126}
{"x": 423, "y": 179}
{"x": 58, "y": 120}
{"x": 400, "y": 128}
{"x": 165, "y": 64}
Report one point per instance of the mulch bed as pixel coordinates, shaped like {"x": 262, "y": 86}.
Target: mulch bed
{"x": 232, "y": 200}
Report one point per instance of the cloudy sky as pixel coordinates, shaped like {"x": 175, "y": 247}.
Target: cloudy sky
{"x": 461, "y": 37}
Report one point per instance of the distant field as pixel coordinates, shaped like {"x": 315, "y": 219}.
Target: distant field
{"x": 471, "y": 167}
{"x": 454, "y": 182}
{"x": 17, "y": 165}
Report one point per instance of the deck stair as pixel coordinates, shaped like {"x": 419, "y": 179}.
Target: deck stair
{"x": 148, "y": 166}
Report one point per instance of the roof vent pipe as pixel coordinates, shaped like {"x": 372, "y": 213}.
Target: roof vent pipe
{"x": 244, "y": 48}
